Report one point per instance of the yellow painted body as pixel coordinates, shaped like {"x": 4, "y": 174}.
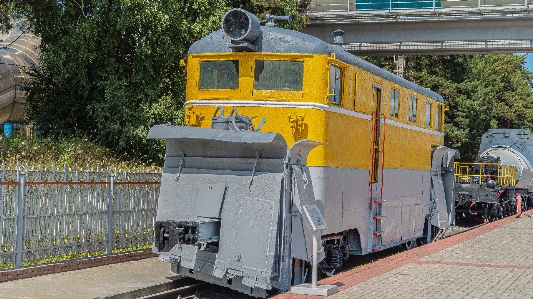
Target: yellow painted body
{"x": 346, "y": 130}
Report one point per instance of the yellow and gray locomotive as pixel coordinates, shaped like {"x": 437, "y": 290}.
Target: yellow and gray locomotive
{"x": 278, "y": 121}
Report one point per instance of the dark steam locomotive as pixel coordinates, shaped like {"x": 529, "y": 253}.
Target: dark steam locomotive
{"x": 488, "y": 187}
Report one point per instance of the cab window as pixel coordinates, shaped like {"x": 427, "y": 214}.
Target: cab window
{"x": 428, "y": 114}
{"x": 437, "y": 118}
{"x": 394, "y": 102}
{"x": 412, "y": 109}
{"x": 221, "y": 74}
{"x": 335, "y": 81}
{"x": 278, "y": 75}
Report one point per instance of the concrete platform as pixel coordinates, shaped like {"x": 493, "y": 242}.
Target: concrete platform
{"x": 318, "y": 290}
{"x": 491, "y": 261}
{"x": 97, "y": 282}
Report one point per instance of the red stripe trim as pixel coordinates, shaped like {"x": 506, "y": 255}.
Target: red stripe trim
{"x": 66, "y": 183}
{"x": 474, "y": 265}
{"x": 79, "y": 183}
{"x": 137, "y": 183}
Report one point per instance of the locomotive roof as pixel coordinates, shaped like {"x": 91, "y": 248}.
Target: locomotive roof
{"x": 279, "y": 40}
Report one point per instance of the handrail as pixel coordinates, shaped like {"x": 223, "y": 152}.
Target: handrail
{"x": 383, "y": 154}
{"x": 505, "y": 175}
{"x": 374, "y": 125}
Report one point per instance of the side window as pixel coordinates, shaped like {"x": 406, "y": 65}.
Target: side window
{"x": 412, "y": 109}
{"x": 437, "y": 118}
{"x": 428, "y": 114}
{"x": 354, "y": 93}
{"x": 335, "y": 83}
{"x": 394, "y": 102}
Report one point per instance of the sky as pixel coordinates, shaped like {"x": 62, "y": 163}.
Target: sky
{"x": 529, "y": 62}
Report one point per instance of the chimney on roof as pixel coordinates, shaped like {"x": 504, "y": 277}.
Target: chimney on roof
{"x": 338, "y": 40}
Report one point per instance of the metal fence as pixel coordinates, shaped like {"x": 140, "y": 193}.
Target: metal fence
{"x": 48, "y": 215}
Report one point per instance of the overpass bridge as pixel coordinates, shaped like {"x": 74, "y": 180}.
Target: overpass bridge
{"x": 401, "y": 27}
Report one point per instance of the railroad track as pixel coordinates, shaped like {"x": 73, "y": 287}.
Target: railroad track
{"x": 193, "y": 289}
{"x": 187, "y": 292}
{"x": 198, "y": 290}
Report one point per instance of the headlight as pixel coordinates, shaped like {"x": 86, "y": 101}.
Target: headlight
{"x": 241, "y": 25}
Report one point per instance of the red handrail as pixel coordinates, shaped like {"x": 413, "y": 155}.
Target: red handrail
{"x": 373, "y": 158}
{"x": 383, "y": 155}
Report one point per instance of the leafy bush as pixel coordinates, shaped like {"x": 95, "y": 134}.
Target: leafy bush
{"x": 70, "y": 151}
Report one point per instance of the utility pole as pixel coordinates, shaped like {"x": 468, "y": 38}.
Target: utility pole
{"x": 400, "y": 65}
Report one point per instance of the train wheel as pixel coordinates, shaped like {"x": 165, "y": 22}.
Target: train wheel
{"x": 421, "y": 241}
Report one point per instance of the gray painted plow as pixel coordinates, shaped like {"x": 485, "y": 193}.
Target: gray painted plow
{"x": 225, "y": 207}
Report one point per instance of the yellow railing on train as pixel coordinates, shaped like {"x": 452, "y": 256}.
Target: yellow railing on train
{"x": 506, "y": 174}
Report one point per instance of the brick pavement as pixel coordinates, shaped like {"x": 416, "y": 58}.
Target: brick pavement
{"x": 491, "y": 261}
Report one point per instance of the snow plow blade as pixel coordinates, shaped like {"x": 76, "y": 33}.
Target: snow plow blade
{"x": 221, "y": 207}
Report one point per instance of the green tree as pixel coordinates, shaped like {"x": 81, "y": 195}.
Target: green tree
{"x": 500, "y": 96}
{"x": 110, "y": 68}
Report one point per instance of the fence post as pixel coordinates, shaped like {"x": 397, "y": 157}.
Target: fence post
{"x": 110, "y": 233}
{"x": 19, "y": 233}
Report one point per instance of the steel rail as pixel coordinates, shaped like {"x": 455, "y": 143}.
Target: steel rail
{"x": 184, "y": 292}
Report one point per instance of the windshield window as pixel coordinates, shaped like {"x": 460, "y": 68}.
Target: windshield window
{"x": 222, "y": 74}
{"x": 278, "y": 75}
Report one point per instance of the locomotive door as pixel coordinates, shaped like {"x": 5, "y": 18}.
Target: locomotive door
{"x": 376, "y": 134}
{"x": 376, "y": 201}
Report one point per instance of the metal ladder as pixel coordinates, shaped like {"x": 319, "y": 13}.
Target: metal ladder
{"x": 377, "y": 219}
